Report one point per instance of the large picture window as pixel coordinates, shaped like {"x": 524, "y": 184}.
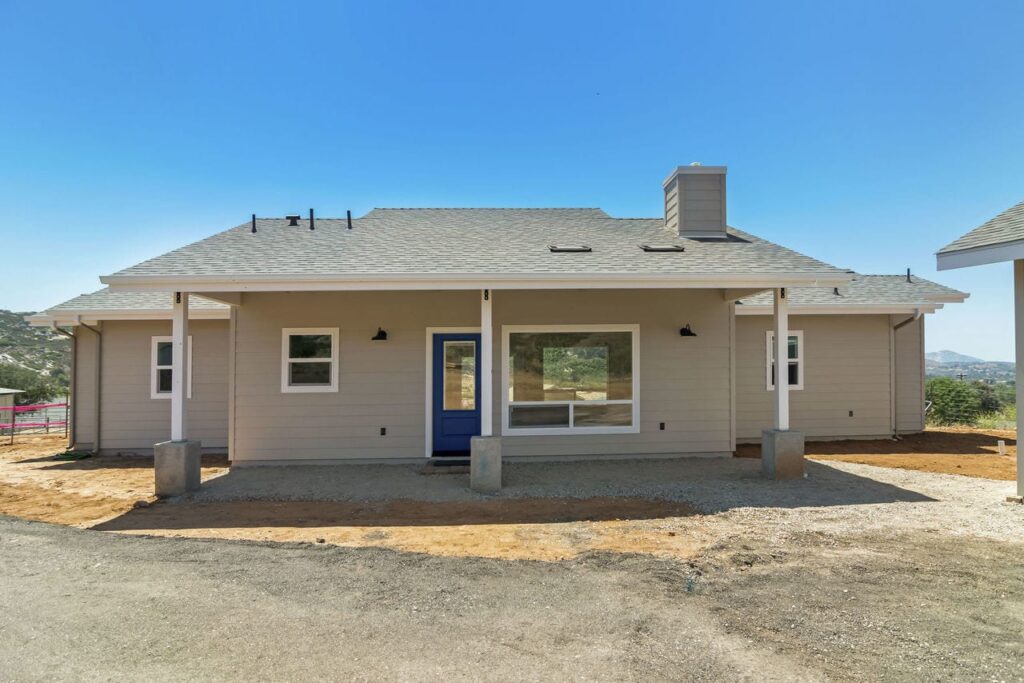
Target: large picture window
{"x": 162, "y": 370}
{"x": 569, "y": 379}
{"x": 309, "y": 359}
{"x": 795, "y": 360}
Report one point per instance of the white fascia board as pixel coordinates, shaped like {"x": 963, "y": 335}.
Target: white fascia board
{"x": 68, "y": 318}
{"x": 980, "y": 256}
{"x": 391, "y": 282}
{"x": 866, "y": 309}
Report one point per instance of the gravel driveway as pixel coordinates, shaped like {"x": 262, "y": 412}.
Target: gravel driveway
{"x": 855, "y": 573}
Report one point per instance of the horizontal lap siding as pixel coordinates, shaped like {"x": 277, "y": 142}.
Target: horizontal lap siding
{"x": 846, "y": 368}
{"x": 133, "y": 421}
{"x": 83, "y": 411}
{"x": 381, "y": 384}
{"x": 684, "y": 382}
{"x": 910, "y": 376}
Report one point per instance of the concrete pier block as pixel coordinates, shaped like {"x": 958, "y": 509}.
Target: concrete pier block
{"x": 782, "y": 454}
{"x": 485, "y": 464}
{"x": 176, "y": 465}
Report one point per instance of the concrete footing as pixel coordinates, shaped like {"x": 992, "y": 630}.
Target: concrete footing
{"x": 485, "y": 464}
{"x": 782, "y": 454}
{"x": 176, "y": 465}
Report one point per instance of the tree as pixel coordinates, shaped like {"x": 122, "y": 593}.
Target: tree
{"x": 988, "y": 399}
{"x": 953, "y": 402}
{"x": 37, "y": 388}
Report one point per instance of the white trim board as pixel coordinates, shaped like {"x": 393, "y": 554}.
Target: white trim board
{"x": 980, "y": 256}
{"x": 429, "y": 377}
{"x": 840, "y": 309}
{"x": 507, "y": 430}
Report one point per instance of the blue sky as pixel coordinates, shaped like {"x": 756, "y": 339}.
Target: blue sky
{"x": 865, "y": 134}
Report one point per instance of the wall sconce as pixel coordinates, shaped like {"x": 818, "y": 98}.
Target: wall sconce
{"x": 687, "y": 332}
{"x": 380, "y": 336}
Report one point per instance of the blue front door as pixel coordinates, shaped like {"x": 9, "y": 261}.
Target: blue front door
{"x": 456, "y": 376}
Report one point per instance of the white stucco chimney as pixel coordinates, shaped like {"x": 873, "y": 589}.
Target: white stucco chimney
{"x": 695, "y": 201}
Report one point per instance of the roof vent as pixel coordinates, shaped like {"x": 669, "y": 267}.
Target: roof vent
{"x": 569, "y": 249}
{"x": 293, "y": 220}
{"x": 662, "y": 247}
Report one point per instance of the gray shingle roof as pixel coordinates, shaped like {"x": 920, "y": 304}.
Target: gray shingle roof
{"x": 432, "y": 242}
{"x": 106, "y": 300}
{"x": 1006, "y": 227}
{"x": 868, "y": 290}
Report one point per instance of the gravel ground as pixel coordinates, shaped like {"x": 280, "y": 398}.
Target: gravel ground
{"x": 840, "y": 497}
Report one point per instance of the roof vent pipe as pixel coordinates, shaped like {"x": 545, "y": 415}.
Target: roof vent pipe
{"x": 293, "y": 220}
{"x": 908, "y": 275}
{"x": 312, "y": 225}
{"x": 254, "y": 224}
{"x": 348, "y": 215}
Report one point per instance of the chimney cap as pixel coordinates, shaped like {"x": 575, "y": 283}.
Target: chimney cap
{"x": 695, "y": 169}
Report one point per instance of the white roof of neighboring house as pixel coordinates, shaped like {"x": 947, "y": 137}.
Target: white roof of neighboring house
{"x": 864, "y": 293}
{"x": 5, "y": 392}
{"x": 995, "y": 240}
{"x": 467, "y": 248}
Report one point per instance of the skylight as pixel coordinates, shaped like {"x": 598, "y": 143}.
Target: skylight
{"x": 568, "y": 248}
{"x": 662, "y": 247}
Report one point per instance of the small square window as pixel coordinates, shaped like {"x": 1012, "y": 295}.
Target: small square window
{"x": 309, "y": 360}
{"x": 795, "y": 355}
{"x": 162, "y": 368}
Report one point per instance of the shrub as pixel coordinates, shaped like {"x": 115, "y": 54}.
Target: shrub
{"x": 37, "y": 387}
{"x": 953, "y": 402}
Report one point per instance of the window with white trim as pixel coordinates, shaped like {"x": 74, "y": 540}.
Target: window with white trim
{"x": 795, "y": 358}
{"x": 565, "y": 379}
{"x": 162, "y": 368}
{"x": 309, "y": 359}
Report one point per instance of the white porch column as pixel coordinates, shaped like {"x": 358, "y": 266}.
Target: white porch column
{"x": 180, "y": 366}
{"x": 486, "y": 365}
{"x": 781, "y": 319}
{"x": 1018, "y": 318}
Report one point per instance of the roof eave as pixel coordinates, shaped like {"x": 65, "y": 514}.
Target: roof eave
{"x": 979, "y": 256}
{"x": 74, "y": 318}
{"x": 462, "y": 281}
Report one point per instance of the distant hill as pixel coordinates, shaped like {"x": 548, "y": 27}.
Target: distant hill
{"x": 37, "y": 349}
{"x": 953, "y": 364}
{"x": 947, "y": 356}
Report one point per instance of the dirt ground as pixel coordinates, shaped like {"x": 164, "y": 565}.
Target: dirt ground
{"x": 676, "y": 570}
{"x": 113, "y": 493}
{"x": 949, "y": 450}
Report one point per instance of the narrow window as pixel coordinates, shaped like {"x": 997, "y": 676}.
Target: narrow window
{"x": 161, "y": 368}
{"x": 309, "y": 359}
{"x": 795, "y": 358}
{"x": 571, "y": 379}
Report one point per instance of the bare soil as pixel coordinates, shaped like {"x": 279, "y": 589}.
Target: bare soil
{"x": 949, "y": 450}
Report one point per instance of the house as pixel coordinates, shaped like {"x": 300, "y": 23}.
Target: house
{"x": 6, "y": 407}
{"x": 998, "y": 240}
{"x": 547, "y": 333}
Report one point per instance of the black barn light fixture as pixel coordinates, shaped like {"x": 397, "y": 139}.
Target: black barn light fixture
{"x": 381, "y": 335}
{"x": 686, "y": 331}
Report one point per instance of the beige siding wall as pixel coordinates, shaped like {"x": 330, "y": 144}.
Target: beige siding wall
{"x": 84, "y": 408}
{"x": 684, "y": 382}
{"x": 910, "y": 375}
{"x": 132, "y": 421}
{"x": 847, "y": 368}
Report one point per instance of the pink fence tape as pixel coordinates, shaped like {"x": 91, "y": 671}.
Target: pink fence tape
{"x": 33, "y": 408}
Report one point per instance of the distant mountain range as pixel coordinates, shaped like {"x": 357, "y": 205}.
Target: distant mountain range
{"x": 952, "y": 364}
{"x": 33, "y": 348}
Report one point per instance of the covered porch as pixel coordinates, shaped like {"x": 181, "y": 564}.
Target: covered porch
{"x": 497, "y": 374}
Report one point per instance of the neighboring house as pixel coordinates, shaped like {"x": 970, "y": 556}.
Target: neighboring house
{"x": 565, "y": 332}
{"x": 6, "y": 403}
{"x": 995, "y": 241}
